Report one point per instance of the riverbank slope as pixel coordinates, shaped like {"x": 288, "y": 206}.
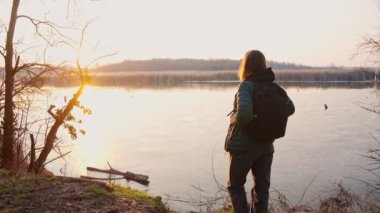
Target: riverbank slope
{"x": 33, "y": 193}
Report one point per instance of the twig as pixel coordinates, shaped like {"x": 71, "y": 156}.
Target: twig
{"x": 57, "y": 158}
{"x": 32, "y": 153}
{"x": 220, "y": 186}
{"x": 307, "y": 188}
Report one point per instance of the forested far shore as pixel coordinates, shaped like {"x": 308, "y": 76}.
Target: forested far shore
{"x": 175, "y": 72}
{"x": 189, "y": 64}
{"x": 168, "y": 79}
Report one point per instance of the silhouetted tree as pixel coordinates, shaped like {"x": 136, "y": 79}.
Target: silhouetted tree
{"x": 22, "y": 79}
{"x": 10, "y": 71}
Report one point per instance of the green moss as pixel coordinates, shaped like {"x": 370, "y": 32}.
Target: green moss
{"x": 127, "y": 192}
{"x": 20, "y": 185}
{"x": 227, "y": 211}
{"x": 53, "y": 178}
{"x": 130, "y": 193}
{"x": 4, "y": 173}
{"x": 12, "y": 182}
{"x": 97, "y": 190}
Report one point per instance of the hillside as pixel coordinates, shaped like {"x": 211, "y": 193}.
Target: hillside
{"x": 188, "y": 64}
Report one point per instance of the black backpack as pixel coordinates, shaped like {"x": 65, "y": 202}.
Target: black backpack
{"x": 270, "y": 112}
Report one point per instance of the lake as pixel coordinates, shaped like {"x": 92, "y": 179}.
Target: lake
{"x": 176, "y": 136}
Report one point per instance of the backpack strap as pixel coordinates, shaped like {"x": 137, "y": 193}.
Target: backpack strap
{"x": 234, "y": 106}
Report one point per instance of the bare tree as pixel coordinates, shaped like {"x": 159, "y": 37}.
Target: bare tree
{"x": 22, "y": 79}
{"x": 370, "y": 45}
{"x": 10, "y": 71}
{"x": 64, "y": 114}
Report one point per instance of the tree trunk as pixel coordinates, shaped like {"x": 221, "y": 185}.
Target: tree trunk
{"x": 49, "y": 144}
{"x": 52, "y": 134}
{"x": 32, "y": 153}
{"x": 8, "y": 139}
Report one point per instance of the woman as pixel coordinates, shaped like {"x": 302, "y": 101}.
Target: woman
{"x": 245, "y": 153}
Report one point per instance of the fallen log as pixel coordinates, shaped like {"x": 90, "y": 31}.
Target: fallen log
{"x": 96, "y": 178}
{"x": 129, "y": 176}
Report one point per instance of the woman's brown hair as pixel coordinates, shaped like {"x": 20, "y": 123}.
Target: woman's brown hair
{"x": 253, "y": 61}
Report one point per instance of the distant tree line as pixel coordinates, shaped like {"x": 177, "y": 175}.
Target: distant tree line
{"x": 188, "y": 64}
{"x": 169, "y": 79}
{"x": 327, "y": 75}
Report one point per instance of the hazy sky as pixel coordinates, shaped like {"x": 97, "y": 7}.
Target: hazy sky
{"x": 312, "y": 32}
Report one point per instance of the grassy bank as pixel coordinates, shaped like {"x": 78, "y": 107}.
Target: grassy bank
{"x": 31, "y": 193}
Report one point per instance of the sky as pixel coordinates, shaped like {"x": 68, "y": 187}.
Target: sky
{"x": 310, "y": 32}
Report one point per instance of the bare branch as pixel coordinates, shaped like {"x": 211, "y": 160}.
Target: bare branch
{"x": 54, "y": 159}
{"x": 370, "y": 109}
{"x": 51, "y": 113}
{"x": 38, "y": 66}
{"x": 220, "y": 186}
{"x": 2, "y": 51}
{"x": 81, "y": 44}
{"x": 54, "y": 29}
{"x": 16, "y": 65}
{"x": 100, "y": 57}
{"x": 95, "y": 178}
{"x": 370, "y": 45}
{"x": 306, "y": 189}
{"x": 32, "y": 153}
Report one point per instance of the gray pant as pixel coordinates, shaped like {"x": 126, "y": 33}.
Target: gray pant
{"x": 259, "y": 161}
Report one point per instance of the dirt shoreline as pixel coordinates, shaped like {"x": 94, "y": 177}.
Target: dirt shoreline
{"x": 21, "y": 192}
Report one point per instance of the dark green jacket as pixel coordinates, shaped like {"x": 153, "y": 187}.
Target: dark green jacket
{"x": 239, "y": 141}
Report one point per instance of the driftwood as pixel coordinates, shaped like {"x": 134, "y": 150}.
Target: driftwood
{"x": 95, "y": 178}
{"x": 139, "y": 178}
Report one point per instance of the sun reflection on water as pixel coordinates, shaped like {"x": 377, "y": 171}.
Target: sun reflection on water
{"x": 171, "y": 135}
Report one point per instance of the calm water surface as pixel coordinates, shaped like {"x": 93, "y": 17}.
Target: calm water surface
{"x": 172, "y": 135}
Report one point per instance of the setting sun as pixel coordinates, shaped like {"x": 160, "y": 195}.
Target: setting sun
{"x": 176, "y": 106}
{"x": 317, "y": 33}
